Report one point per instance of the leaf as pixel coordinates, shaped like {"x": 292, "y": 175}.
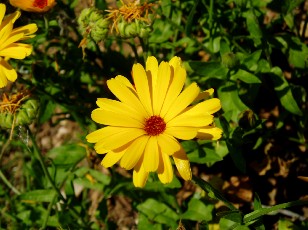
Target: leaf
{"x": 204, "y": 154}
{"x": 67, "y": 155}
{"x": 284, "y": 92}
{"x": 190, "y": 18}
{"x": 209, "y": 69}
{"x": 144, "y": 223}
{"x": 40, "y": 195}
{"x": 159, "y": 212}
{"x": 253, "y": 26}
{"x": 230, "y": 100}
{"x": 89, "y": 184}
{"x": 246, "y": 77}
{"x": 198, "y": 211}
{"x": 250, "y": 62}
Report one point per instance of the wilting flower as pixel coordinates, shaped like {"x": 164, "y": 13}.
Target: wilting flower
{"x": 142, "y": 128}
{"x": 132, "y": 19}
{"x": 9, "y": 44}
{"x": 39, "y": 6}
{"x": 17, "y": 109}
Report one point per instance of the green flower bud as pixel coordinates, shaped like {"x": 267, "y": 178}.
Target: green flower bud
{"x": 133, "y": 29}
{"x": 93, "y": 25}
{"x": 229, "y": 60}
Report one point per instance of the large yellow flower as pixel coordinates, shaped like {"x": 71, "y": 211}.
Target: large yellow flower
{"x": 9, "y": 45}
{"x": 143, "y": 127}
{"x": 38, "y": 6}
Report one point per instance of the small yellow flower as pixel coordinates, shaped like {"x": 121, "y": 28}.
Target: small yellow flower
{"x": 39, "y": 6}
{"x": 142, "y": 128}
{"x": 9, "y": 45}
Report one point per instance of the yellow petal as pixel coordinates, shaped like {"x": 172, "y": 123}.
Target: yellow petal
{"x": 126, "y": 95}
{"x": 8, "y": 71}
{"x": 120, "y": 108}
{"x": 191, "y": 121}
{"x": 205, "y": 94}
{"x": 111, "y": 158}
{"x": 5, "y": 33}
{"x": 134, "y": 152}
{"x": 151, "y": 155}
{"x": 3, "y": 79}
{"x": 182, "y": 101}
{"x": 102, "y": 133}
{"x": 209, "y": 133}
{"x": 140, "y": 176}
{"x": 25, "y": 30}
{"x": 175, "y": 62}
{"x": 166, "y": 175}
{"x": 11, "y": 39}
{"x": 184, "y": 133}
{"x": 142, "y": 87}
{"x": 16, "y": 50}
{"x": 168, "y": 144}
{"x": 182, "y": 164}
{"x": 2, "y": 12}
{"x": 152, "y": 69}
{"x": 107, "y": 117}
{"x": 120, "y": 139}
{"x": 162, "y": 84}
{"x": 178, "y": 77}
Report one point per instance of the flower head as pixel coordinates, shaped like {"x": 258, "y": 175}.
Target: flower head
{"x": 39, "y": 6}
{"x": 9, "y": 45}
{"x": 131, "y": 19}
{"x": 17, "y": 109}
{"x": 143, "y": 127}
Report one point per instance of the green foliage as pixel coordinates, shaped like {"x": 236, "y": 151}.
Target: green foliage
{"x": 51, "y": 178}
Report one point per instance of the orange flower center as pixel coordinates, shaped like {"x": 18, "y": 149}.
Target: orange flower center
{"x": 154, "y": 125}
{"x": 40, "y": 3}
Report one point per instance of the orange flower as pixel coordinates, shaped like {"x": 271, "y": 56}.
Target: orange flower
{"x": 38, "y": 6}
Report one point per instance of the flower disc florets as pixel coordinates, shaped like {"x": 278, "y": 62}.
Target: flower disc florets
{"x": 154, "y": 125}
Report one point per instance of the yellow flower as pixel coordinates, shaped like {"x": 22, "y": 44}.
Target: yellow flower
{"x": 38, "y": 6}
{"x": 142, "y": 128}
{"x": 9, "y": 45}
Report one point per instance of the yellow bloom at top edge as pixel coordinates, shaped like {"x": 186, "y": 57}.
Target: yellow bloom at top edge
{"x": 38, "y": 6}
{"x": 143, "y": 127}
{"x": 10, "y": 47}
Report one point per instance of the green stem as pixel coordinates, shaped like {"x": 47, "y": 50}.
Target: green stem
{"x": 214, "y": 193}
{"x": 2, "y": 176}
{"x": 39, "y": 156}
{"x": 53, "y": 200}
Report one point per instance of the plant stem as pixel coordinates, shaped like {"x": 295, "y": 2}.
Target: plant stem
{"x": 2, "y": 176}
{"x": 39, "y": 156}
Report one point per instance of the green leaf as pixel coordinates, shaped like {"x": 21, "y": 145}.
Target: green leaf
{"x": 253, "y": 26}
{"x": 230, "y": 100}
{"x": 263, "y": 211}
{"x": 159, "y": 212}
{"x": 209, "y": 69}
{"x": 144, "y": 223}
{"x": 198, "y": 211}
{"x": 204, "y": 154}
{"x": 250, "y": 62}
{"x": 67, "y": 155}
{"x": 89, "y": 184}
{"x": 214, "y": 193}
{"x": 40, "y": 195}
{"x": 246, "y": 77}
{"x": 284, "y": 92}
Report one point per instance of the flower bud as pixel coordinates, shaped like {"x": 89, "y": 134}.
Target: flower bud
{"x": 93, "y": 25}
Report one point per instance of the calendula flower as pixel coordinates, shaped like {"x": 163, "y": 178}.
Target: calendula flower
{"x": 142, "y": 129}
{"x": 9, "y": 44}
{"x": 39, "y": 6}
{"x": 132, "y": 19}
